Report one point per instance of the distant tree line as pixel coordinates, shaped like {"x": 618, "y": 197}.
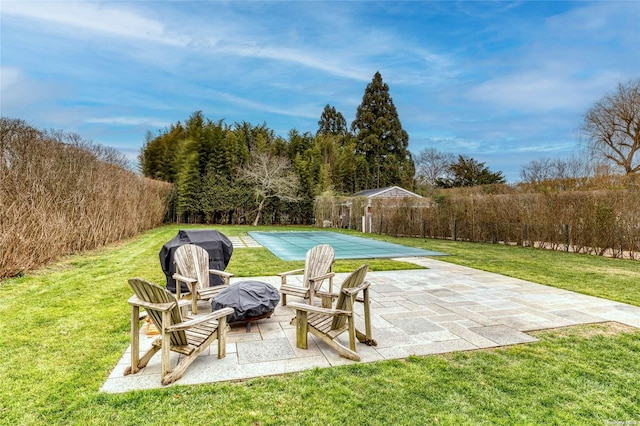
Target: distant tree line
{"x": 244, "y": 173}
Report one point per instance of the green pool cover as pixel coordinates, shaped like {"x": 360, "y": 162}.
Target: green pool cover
{"x": 294, "y": 245}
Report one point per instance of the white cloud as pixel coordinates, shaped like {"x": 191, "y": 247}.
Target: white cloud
{"x": 9, "y": 76}
{"x": 567, "y": 62}
{"x": 19, "y": 92}
{"x": 307, "y": 57}
{"x": 94, "y": 17}
{"x": 297, "y": 111}
{"x": 542, "y": 147}
{"x": 128, "y": 121}
{"x": 607, "y": 20}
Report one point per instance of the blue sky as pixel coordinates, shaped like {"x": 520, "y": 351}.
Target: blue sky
{"x": 502, "y": 82}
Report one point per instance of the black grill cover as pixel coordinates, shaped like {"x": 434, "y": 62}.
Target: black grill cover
{"x": 215, "y": 243}
{"x": 248, "y": 298}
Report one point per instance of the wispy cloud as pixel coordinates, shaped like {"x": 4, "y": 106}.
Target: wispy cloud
{"x": 128, "y": 121}
{"x": 114, "y": 20}
{"x": 318, "y": 60}
{"x": 568, "y": 63}
{"x": 18, "y": 91}
{"x": 9, "y": 76}
{"x": 268, "y": 107}
{"x": 501, "y": 81}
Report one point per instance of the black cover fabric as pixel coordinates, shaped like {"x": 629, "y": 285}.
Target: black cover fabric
{"x": 215, "y": 243}
{"x": 248, "y": 298}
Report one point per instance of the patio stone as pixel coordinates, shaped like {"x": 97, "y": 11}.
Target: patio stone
{"x": 470, "y": 336}
{"x": 577, "y": 316}
{"x": 264, "y": 350}
{"x": 415, "y": 325}
{"x": 418, "y": 312}
{"x": 503, "y": 335}
{"x": 440, "y": 347}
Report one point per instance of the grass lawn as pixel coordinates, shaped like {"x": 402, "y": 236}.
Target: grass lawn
{"x": 64, "y": 327}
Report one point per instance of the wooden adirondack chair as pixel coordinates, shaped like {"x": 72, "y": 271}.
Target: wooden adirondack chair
{"x": 186, "y": 336}
{"x": 327, "y": 324}
{"x": 318, "y": 266}
{"x": 192, "y": 268}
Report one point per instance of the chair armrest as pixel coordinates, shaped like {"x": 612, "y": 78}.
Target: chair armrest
{"x": 224, "y": 275}
{"x": 221, "y": 273}
{"x": 136, "y": 301}
{"x": 295, "y": 271}
{"x": 182, "y": 303}
{"x": 184, "y": 279}
{"x": 327, "y": 294}
{"x": 353, "y": 290}
{"x": 317, "y": 310}
{"x": 193, "y": 322}
{"x": 327, "y": 298}
{"x": 323, "y": 277}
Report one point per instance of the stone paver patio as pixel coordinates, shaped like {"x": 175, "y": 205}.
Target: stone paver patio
{"x": 417, "y": 312}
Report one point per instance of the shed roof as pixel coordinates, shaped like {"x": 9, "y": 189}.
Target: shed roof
{"x": 388, "y": 192}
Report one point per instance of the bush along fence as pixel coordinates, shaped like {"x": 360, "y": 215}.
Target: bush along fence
{"x": 64, "y": 197}
{"x": 601, "y": 222}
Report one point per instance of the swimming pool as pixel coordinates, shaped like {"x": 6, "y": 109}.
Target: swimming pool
{"x": 295, "y": 244}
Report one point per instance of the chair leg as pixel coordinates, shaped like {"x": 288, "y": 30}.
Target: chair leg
{"x": 301, "y": 329}
{"x": 194, "y": 303}
{"x": 352, "y": 332}
{"x": 138, "y": 363}
{"x": 166, "y": 344}
{"x": 178, "y": 371}
{"x": 327, "y": 301}
{"x": 135, "y": 339}
{"x": 366, "y": 337}
{"x": 342, "y": 350}
{"x": 311, "y": 294}
{"x": 222, "y": 337}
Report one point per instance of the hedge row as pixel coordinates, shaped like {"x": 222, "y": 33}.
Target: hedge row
{"x": 59, "y": 198}
{"x": 597, "y": 221}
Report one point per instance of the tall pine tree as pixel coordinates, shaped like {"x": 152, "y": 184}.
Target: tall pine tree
{"x": 381, "y": 139}
{"x": 332, "y": 122}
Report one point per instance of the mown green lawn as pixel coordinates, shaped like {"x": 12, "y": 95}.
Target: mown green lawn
{"x": 63, "y": 328}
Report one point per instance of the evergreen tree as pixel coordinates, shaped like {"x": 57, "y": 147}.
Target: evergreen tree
{"x": 469, "y": 172}
{"x": 381, "y": 139}
{"x": 189, "y": 185}
{"x": 331, "y": 122}
{"x": 345, "y": 169}
{"x": 298, "y": 143}
{"x": 158, "y": 155}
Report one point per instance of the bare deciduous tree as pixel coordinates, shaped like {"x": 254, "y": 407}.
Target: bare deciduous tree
{"x": 612, "y": 127}
{"x": 432, "y": 165}
{"x": 271, "y": 177}
{"x": 546, "y": 169}
{"x": 103, "y": 153}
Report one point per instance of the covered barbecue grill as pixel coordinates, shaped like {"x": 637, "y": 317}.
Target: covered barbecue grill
{"x": 215, "y": 243}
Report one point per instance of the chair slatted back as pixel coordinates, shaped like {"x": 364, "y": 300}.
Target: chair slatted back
{"x": 344, "y": 302}
{"x": 153, "y": 293}
{"x": 192, "y": 261}
{"x": 318, "y": 261}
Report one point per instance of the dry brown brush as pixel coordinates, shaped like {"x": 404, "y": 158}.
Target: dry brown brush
{"x": 59, "y": 198}
{"x": 589, "y": 219}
